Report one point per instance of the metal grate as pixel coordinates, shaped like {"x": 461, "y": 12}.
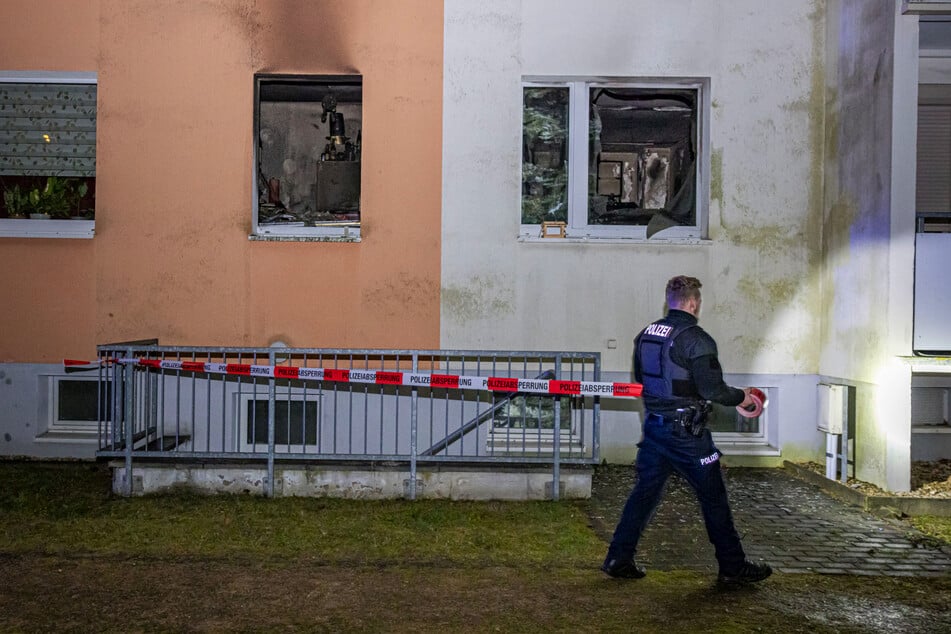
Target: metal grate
{"x": 193, "y": 416}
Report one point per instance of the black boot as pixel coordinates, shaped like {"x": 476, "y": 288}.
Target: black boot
{"x": 623, "y": 569}
{"x": 749, "y": 572}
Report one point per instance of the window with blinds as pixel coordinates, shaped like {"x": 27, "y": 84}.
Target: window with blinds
{"x": 47, "y": 145}
{"x": 47, "y": 129}
{"x": 933, "y": 187}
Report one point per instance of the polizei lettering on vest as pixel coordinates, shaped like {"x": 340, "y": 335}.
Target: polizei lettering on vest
{"x": 710, "y": 459}
{"x": 659, "y": 330}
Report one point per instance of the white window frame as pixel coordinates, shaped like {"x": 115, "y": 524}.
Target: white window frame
{"x": 69, "y": 427}
{"x": 242, "y": 399}
{"x": 760, "y": 437}
{"x": 577, "y": 223}
{"x": 294, "y": 231}
{"x": 28, "y": 228}
{"x": 537, "y": 441}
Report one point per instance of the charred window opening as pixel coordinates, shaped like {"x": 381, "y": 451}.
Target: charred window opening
{"x": 308, "y": 153}
{"x": 614, "y": 159}
{"x": 642, "y": 156}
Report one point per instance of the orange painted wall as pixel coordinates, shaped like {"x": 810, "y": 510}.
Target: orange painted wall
{"x": 47, "y": 287}
{"x": 171, "y": 257}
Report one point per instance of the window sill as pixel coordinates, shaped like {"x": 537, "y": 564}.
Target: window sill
{"x": 25, "y": 228}
{"x": 746, "y": 449}
{"x": 288, "y": 238}
{"x": 91, "y": 437}
{"x": 298, "y": 232}
{"x": 930, "y": 429}
{"x": 616, "y": 240}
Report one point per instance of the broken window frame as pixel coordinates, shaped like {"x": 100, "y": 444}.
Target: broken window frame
{"x": 332, "y": 230}
{"x": 577, "y": 222}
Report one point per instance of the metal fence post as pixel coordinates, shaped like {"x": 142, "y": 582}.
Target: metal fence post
{"x": 128, "y": 372}
{"x": 596, "y": 416}
{"x": 271, "y": 397}
{"x": 413, "y": 428}
{"x": 556, "y": 450}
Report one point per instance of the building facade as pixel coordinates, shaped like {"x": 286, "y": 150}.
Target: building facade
{"x": 520, "y": 175}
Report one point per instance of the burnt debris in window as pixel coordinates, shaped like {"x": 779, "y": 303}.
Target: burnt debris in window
{"x": 642, "y": 156}
{"x": 309, "y": 135}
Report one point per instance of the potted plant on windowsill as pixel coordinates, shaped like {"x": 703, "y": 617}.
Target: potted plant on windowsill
{"x": 53, "y": 201}
{"x": 76, "y": 195}
{"x": 37, "y": 212}
{"x": 59, "y": 198}
{"x": 16, "y": 202}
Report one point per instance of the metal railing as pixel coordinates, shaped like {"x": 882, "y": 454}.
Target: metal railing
{"x": 180, "y": 415}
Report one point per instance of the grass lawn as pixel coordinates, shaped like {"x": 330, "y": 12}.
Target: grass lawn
{"x": 73, "y": 557}
{"x": 937, "y": 527}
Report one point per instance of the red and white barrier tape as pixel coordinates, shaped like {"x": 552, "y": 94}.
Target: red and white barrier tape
{"x": 381, "y": 377}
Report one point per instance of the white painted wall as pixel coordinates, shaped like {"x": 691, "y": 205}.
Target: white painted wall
{"x": 901, "y": 263}
{"x": 869, "y": 224}
{"x": 760, "y": 266}
{"x": 25, "y": 415}
{"x": 761, "y": 294}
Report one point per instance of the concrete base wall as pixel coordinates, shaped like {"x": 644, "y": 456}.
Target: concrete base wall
{"x": 355, "y": 482}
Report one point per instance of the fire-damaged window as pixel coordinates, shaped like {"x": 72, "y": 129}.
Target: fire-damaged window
{"x": 614, "y": 159}
{"x": 308, "y": 155}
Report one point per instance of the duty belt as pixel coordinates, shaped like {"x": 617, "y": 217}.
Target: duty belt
{"x": 692, "y": 418}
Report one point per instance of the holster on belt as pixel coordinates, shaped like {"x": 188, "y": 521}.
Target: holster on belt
{"x": 693, "y": 418}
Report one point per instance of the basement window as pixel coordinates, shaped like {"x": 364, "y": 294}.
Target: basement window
{"x": 307, "y": 156}
{"x": 47, "y": 154}
{"x": 615, "y": 159}
{"x": 728, "y": 426}
{"x": 525, "y": 426}
{"x": 77, "y": 405}
{"x": 296, "y": 423}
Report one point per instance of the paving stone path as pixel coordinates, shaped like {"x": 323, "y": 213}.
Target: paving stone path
{"x": 793, "y": 525}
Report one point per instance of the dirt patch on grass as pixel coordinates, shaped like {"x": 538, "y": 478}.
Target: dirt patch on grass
{"x": 112, "y": 594}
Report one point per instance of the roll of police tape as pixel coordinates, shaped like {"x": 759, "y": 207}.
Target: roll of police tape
{"x": 411, "y": 379}
{"x": 760, "y": 402}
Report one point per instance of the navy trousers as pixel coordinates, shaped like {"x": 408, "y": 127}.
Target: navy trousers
{"x": 667, "y": 447}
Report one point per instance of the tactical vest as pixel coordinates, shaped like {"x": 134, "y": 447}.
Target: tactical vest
{"x": 658, "y": 372}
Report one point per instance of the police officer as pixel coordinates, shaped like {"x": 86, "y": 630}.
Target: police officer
{"x": 676, "y": 362}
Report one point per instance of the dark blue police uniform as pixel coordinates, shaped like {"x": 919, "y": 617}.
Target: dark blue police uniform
{"x": 676, "y": 362}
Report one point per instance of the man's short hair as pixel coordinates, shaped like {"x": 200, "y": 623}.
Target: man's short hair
{"x": 682, "y": 288}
